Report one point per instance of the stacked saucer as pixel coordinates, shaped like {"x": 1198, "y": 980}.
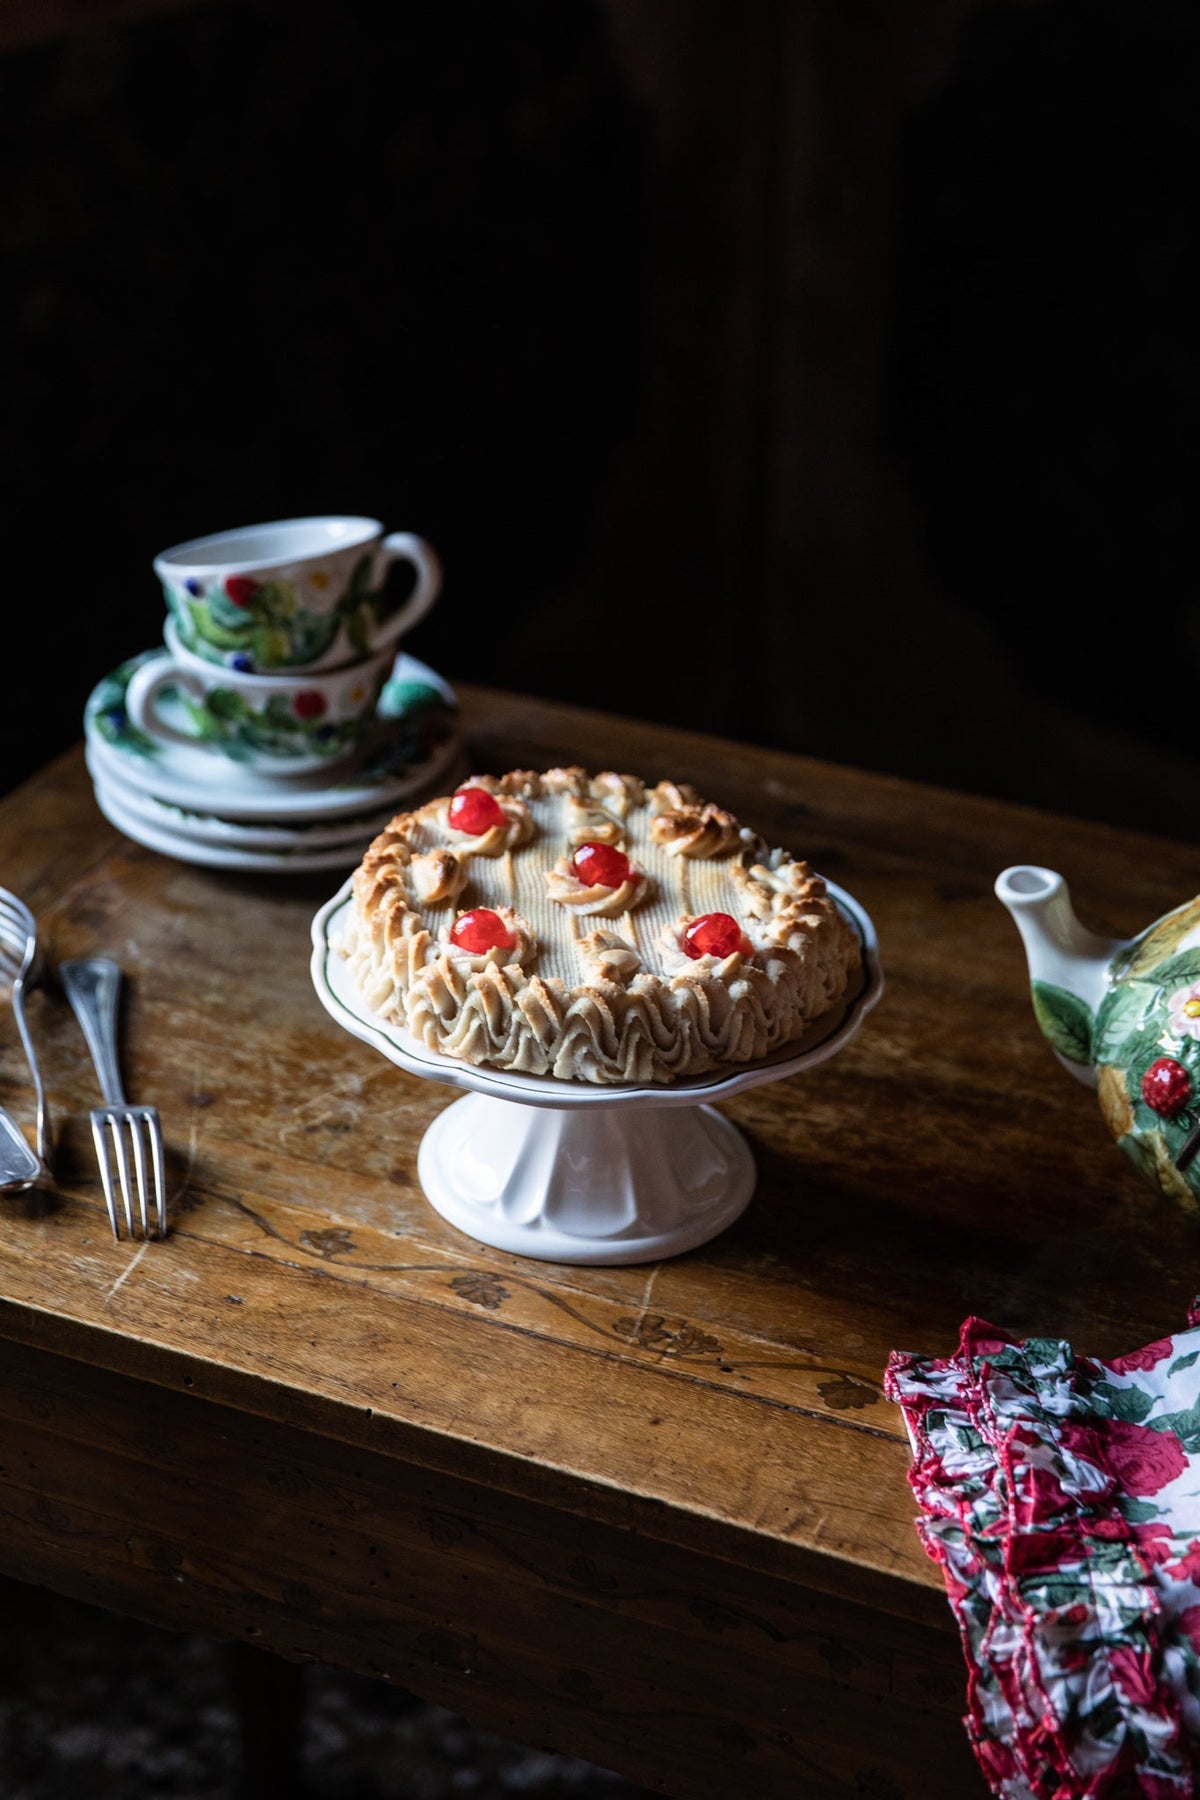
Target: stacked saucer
{"x": 188, "y": 804}
{"x": 279, "y": 728}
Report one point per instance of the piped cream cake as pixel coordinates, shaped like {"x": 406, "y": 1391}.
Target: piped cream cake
{"x": 594, "y": 929}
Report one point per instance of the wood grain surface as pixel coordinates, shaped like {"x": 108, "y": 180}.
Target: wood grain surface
{"x": 657, "y": 1516}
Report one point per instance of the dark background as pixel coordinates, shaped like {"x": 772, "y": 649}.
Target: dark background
{"x": 822, "y": 374}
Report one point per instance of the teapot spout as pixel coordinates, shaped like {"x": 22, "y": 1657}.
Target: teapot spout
{"x": 1068, "y": 965}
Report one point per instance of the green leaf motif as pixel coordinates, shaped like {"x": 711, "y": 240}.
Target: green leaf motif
{"x": 1185, "y": 1425}
{"x": 205, "y": 728}
{"x": 222, "y": 634}
{"x": 1130, "y": 1403}
{"x": 1123, "y": 1014}
{"x": 270, "y": 646}
{"x": 1183, "y": 1362}
{"x": 228, "y": 705}
{"x": 310, "y": 635}
{"x": 115, "y": 729}
{"x": 1056, "y": 1588}
{"x": 277, "y": 714}
{"x": 1153, "y": 948}
{"x": 106, "y": 712}
{"x": 273, "y": 603}
{"x": 1065, "y": 1019}
{"x": 1178, "y": 971}
{"x": 1138, "y": 1512}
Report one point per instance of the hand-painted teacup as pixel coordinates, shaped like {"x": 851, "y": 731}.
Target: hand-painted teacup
{"x": 294, "y": 594}
{"x": 276, "y": 724}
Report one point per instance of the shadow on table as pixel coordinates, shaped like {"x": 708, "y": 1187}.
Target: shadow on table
{"x": 1036, "y": 1244}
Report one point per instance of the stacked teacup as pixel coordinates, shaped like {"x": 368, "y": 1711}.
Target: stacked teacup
{"x": 279, "y": 640}
{"x": 279, "y": 681}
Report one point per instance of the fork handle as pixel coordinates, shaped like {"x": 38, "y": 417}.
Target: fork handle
{"x": 93, "y": 986}
{"x": 39, "y": 1086}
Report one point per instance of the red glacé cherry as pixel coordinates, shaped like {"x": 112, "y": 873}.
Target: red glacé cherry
{"x": 599, "y": 865}
{"x": 714, "y": 934}
{"x": 479, "y": 931}
{"x": 1166, "y": 1087}
{"x": 474, "y": 811}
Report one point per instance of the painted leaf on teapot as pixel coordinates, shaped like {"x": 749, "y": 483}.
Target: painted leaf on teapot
{"x": 1066, "y": 1020}
{"x": 1126, "y": 1011}
{"x": 1176, "y": 931}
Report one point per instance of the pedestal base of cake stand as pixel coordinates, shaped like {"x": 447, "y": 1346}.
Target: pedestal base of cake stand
{"x": 569, "y": 1171}
{"x": 579, "y": 1184}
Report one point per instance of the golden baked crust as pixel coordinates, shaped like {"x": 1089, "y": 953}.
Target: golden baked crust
{"x": 596, "y": 985}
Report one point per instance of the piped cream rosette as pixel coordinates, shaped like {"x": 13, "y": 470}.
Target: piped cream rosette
{"x": 566, "y": 888}
{"x": 518, "y": 828}
{"x": 625, "y": 1000}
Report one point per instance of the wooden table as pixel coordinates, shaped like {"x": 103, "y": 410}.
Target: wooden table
{"x": 656, "y": 1516}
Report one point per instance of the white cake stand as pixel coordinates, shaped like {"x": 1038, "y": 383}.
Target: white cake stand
{"x": 572, "y": 1172}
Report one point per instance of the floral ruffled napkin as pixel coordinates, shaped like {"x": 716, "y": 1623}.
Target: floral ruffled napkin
{"x": 1061, "y": 1497}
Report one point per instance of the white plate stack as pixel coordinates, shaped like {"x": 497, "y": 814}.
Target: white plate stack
{"x": 212, "y": 811}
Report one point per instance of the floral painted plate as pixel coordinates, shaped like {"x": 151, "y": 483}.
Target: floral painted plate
{"x": 416, "y": 741}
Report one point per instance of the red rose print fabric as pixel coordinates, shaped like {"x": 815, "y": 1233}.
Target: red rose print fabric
{"x": 1061, "y": 1497}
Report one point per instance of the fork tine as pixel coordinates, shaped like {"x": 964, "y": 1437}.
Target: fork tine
{"x": 93, "y": 987}
{"x": 101, "y": 1143}
{"x": 122, "y": 1166}
{"x": 135, "y": 1121}
{"x": 14, "y": 916}
{"x": 160, "y": 1178}
{"x": 12, "y": 939}
{"x": 144, "y": 1151}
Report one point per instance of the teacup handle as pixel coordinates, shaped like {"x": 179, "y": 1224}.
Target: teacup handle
{"x": 141, "y": 699}
{"x": 425, "y": 560}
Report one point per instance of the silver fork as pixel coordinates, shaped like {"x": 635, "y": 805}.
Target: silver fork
{"x": 93, "y": 986}
{"x": 20, "y": 966}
